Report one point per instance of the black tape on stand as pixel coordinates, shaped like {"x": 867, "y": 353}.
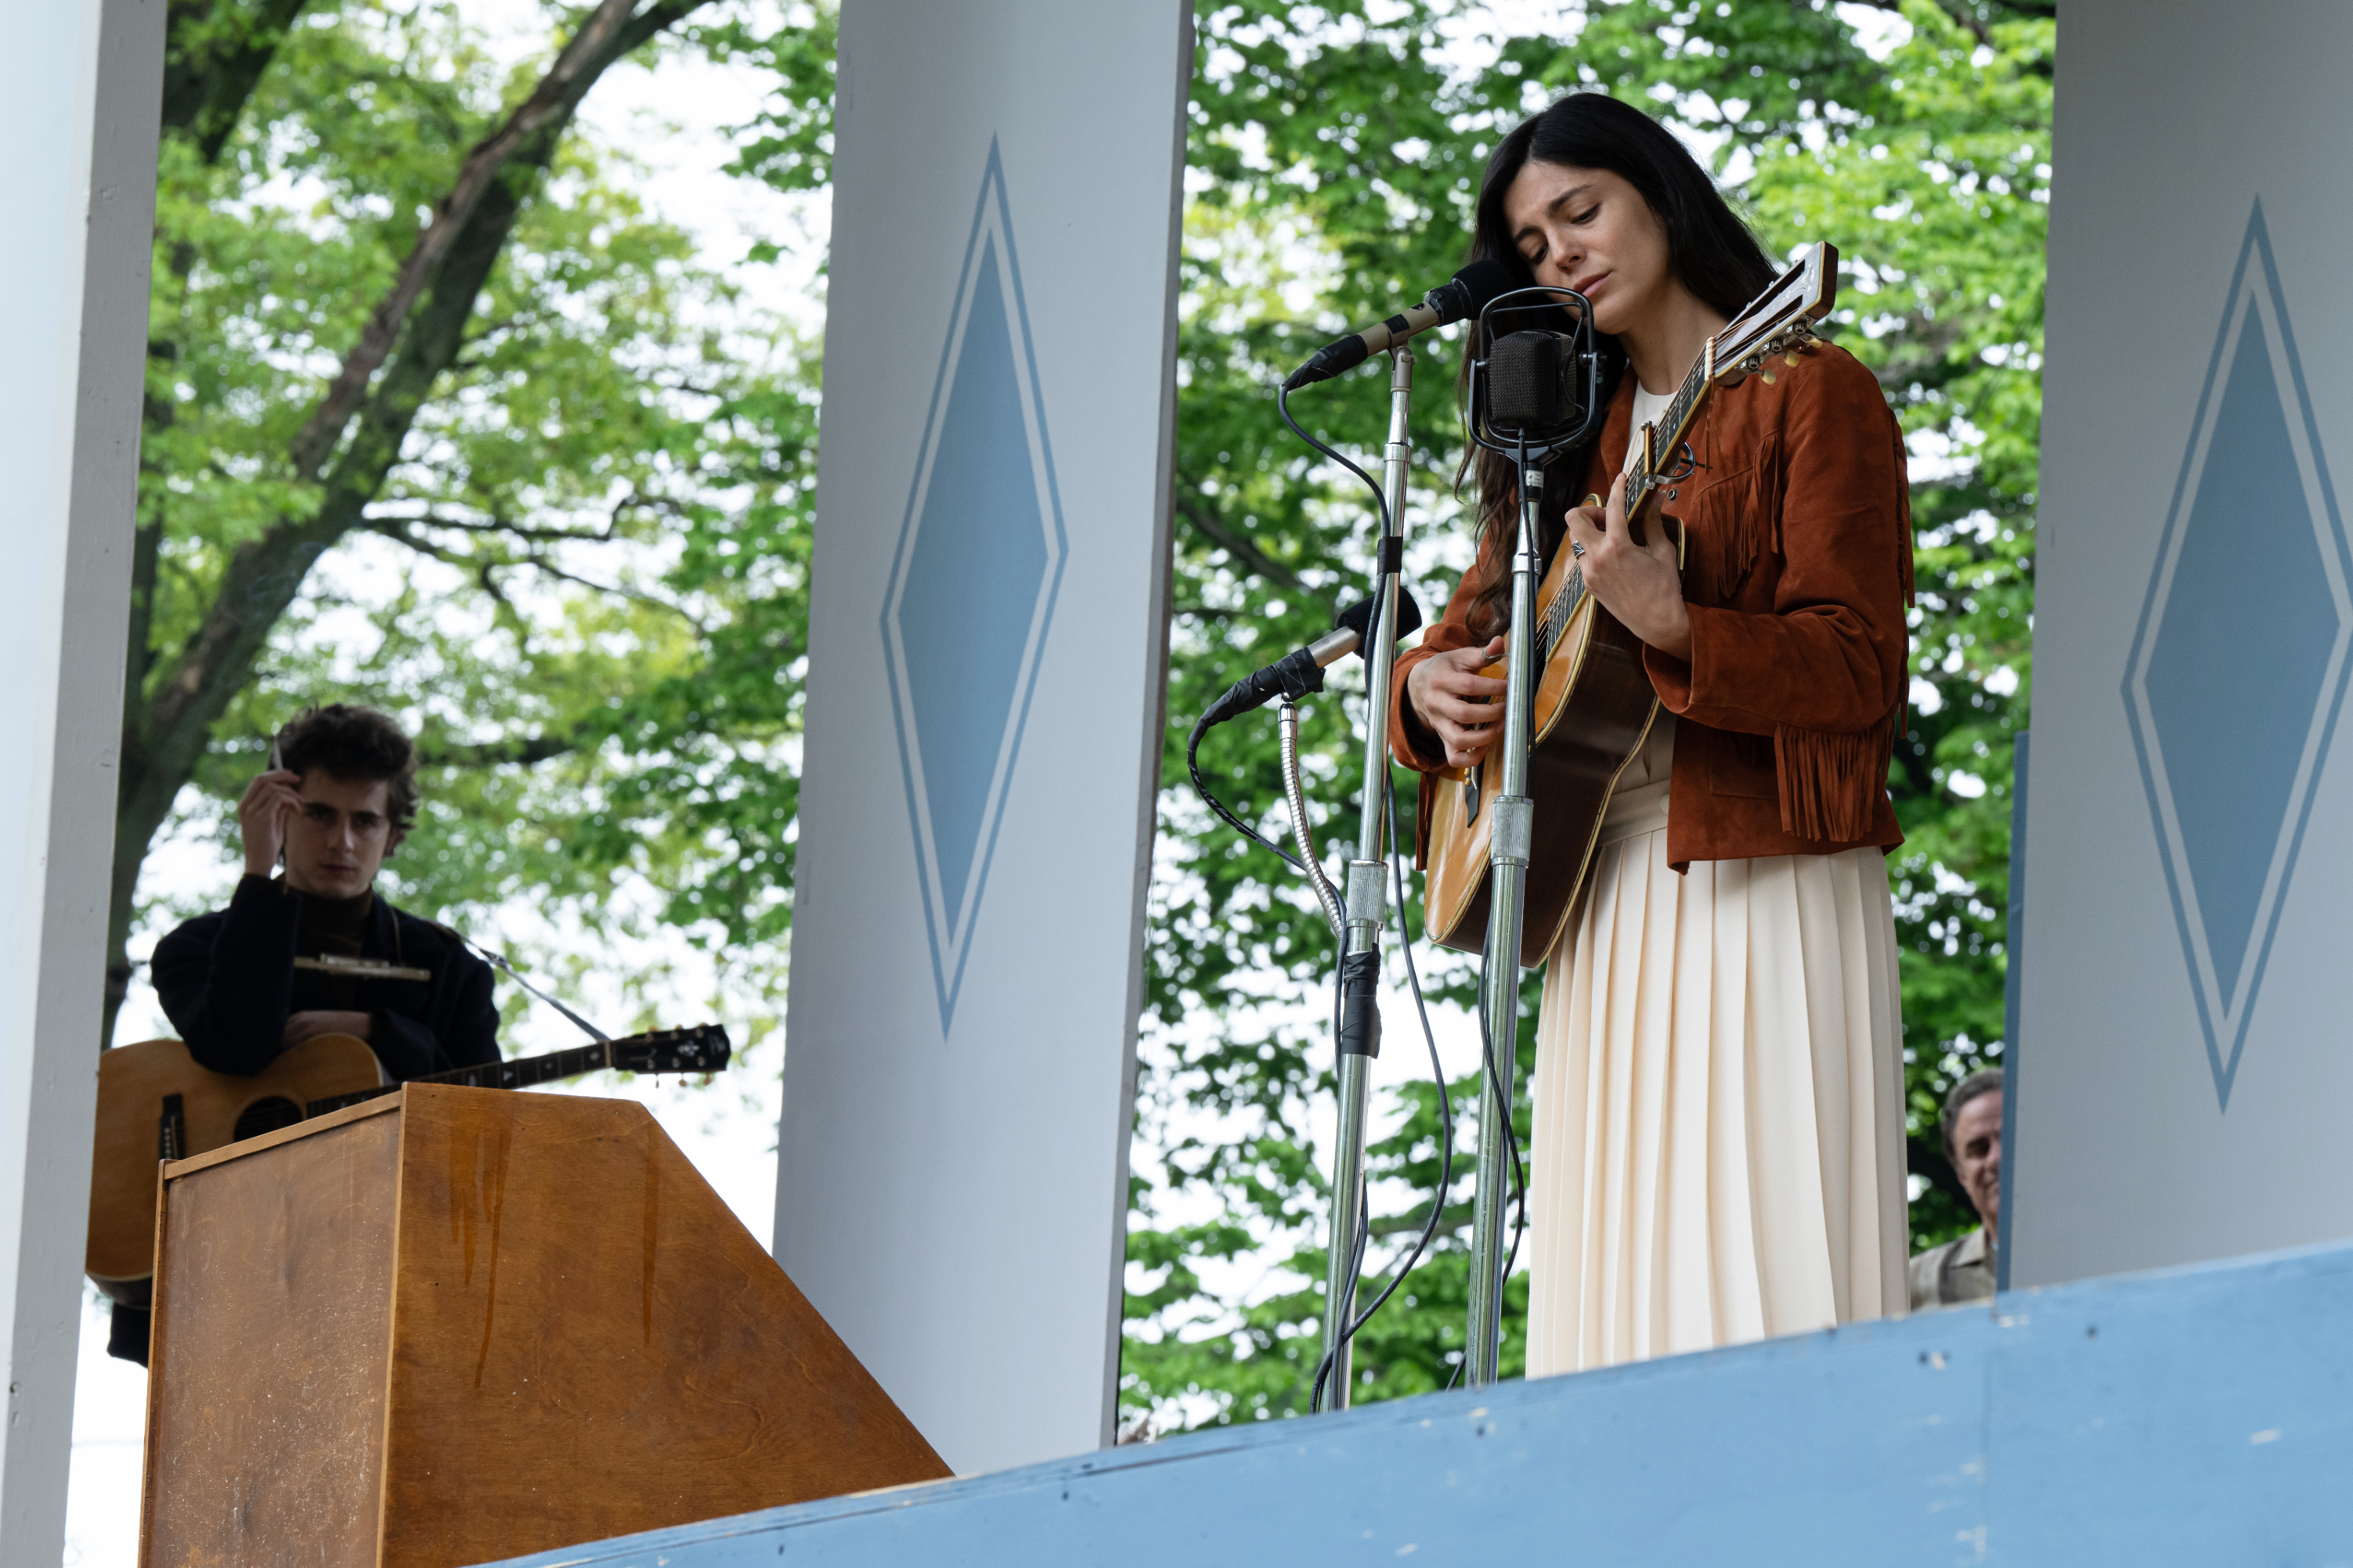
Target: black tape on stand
{"x": 1360, "y": 1004}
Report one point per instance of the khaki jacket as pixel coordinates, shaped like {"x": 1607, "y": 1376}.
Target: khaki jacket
{"x": 1798, "y": 572}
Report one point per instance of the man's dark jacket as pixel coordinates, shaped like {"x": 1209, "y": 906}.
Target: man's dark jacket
{"x": 227, "y": 983}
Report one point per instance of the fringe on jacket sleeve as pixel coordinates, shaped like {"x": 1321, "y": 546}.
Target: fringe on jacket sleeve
{"x": 1830, "y": 785}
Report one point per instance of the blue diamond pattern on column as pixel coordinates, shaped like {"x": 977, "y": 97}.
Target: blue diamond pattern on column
{"x": 2238, "y": 664}
{"x": 972, "y": 586}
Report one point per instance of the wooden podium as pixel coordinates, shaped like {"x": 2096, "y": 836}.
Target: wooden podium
{"x": 455, "y": 1325}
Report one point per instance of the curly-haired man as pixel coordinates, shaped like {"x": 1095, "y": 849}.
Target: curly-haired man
{"x": 341, "y": 799}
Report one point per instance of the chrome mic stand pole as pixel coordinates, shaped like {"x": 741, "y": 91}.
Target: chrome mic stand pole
{"x": 1499, "y": 1000}
{"x": 1366, "y": 896}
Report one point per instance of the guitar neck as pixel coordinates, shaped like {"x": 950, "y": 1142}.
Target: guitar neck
{"x": 526, "y": 1071}
{"x": 1667, "y": 435}
{"x": 520, "y": 1074}
{"x": 1666, "y": 438}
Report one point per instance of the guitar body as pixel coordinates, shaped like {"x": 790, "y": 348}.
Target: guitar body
{"x": 1594, "y": 705}
{"x": 144, "y": 1087}
{"x": 215, "y": 1109}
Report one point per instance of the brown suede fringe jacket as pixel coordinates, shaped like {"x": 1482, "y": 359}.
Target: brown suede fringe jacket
{"x": 1798, "y": 572}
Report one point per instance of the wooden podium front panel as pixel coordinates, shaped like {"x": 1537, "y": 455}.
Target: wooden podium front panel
{"x": 588, "y": 1342}
{"x": 273, "y": 1316}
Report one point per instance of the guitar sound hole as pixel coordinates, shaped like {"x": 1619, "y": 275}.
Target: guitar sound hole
{"x": 266, "y": 1115}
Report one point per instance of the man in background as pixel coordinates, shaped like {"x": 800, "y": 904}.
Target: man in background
{"x": 343, "y": 797}
{"x": 340, "y": 799}
{"x": 1963, "y": 1270}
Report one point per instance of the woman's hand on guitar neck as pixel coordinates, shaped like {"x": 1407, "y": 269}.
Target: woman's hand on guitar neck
{"x": 1456, "y": 703}
{"x": 1642, "y": 584}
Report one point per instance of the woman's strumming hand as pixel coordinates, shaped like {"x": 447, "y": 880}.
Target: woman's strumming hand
{"x": 1640, "y": 584}
{"x": 1461, "y": 707}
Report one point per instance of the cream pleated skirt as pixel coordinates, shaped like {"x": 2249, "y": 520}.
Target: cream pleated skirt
{"x": 1718, "y": 1149}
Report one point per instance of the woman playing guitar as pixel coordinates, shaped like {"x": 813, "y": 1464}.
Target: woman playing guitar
{"x": 1718, "y": 1142}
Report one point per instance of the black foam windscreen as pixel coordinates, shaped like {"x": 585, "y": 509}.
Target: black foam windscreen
{"x": 1527, "y": 381}
{"x": 1470, "y": 290}
{"x": 1358, "y": 617}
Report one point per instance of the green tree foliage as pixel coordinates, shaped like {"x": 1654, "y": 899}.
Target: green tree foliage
{"x": 1334, "y": 157}
{"x": 562, "y": 527}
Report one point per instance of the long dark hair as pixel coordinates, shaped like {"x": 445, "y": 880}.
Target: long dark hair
{"x": 1710, "y": 248}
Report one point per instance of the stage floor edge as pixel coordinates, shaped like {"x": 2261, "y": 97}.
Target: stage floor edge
{"x": 2196, "y": 1415}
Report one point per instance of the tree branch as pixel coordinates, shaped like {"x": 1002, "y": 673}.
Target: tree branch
{"x": 164, "y": 737}
{"x": 211, "y": 63}
{"x": 435, "y": 752}
{"x": 1203, "y": 515}
{"x": 607, "y": 34}
{"x": 619, "y": 592}
{"x": 382, "y": 522}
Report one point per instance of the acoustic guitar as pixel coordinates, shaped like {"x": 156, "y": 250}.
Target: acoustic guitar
{"x": 156, "y": 1103}
{"x": 1593, "y": 704}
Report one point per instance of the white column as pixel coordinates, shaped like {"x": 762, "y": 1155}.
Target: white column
{"x": 80, "y": 88}
{"x": 988, "y": 648}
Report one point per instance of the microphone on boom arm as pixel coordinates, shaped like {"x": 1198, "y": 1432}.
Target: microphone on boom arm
{"x": 1466, "y": 293}
{"x": 1293, "y": 676}
{"x": 1301, "y": 671}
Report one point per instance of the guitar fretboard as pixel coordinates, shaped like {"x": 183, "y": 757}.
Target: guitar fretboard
{"x": 1668, "y": 437}
{"x": 1666, "y": 442}
{"x": 528, "y": 1070}
{"x": 1641, "y": 481}
{"x": 701, "y": 1049}
{"x": 522, "y": 1073}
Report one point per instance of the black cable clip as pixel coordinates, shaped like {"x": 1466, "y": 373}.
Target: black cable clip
{"x": 1360, "y": 1004}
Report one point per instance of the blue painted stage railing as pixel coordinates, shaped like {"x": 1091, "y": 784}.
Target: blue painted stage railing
{"x": 2203, "y": 1415}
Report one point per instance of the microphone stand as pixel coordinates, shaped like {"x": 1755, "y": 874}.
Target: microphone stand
{"x": 1513, "y": 824}
{"x": 1509, "y": 831}
{"x": 1366, "y": 899}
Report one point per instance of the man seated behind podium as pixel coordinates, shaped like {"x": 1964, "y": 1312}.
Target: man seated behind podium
{"x": 341, "y": 799}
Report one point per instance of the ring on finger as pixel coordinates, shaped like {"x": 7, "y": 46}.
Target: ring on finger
{"x": 1577, "y": 550}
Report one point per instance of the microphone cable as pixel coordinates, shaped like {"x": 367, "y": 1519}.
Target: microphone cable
{"x": 1213, "y": 717}
{"x": 1201, "y": 787}
{"x": 1380, "y": 497}
{"x": 1519, "y": 1176}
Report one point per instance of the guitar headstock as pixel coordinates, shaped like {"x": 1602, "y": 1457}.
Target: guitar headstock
{"x": 703, "y": 1048}
{"x": 1780, "y": 318}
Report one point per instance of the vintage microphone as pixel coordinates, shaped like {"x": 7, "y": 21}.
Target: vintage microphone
{"x": 1466, "y": 293}
{"x": 1534, "y": 394}
{"x": 1292, "y": 676}
{"x": 1300, "y": 670}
